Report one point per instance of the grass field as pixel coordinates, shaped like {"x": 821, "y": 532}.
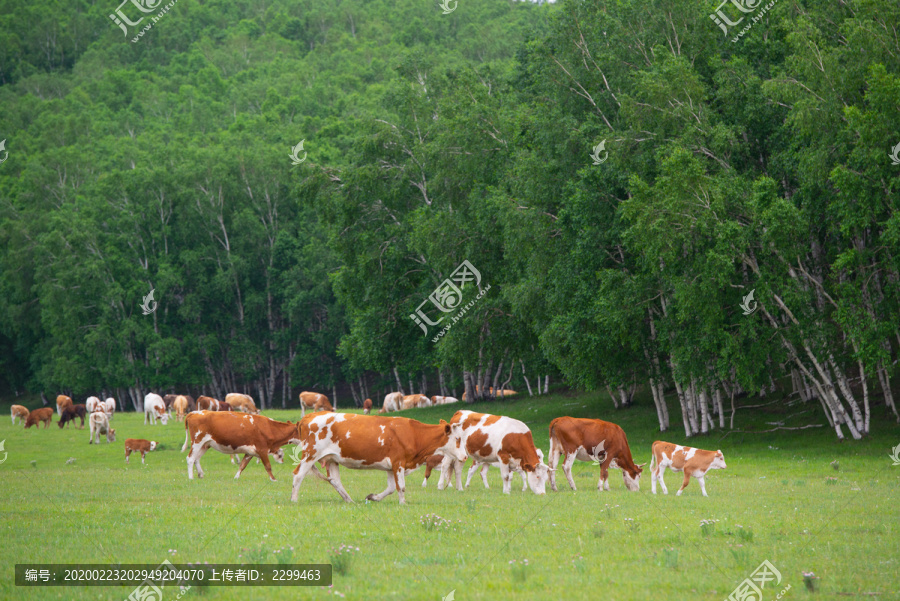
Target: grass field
{"x": 780, "y": 499}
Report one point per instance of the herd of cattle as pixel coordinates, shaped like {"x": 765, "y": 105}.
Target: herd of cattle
{"x": 396, "y": 445}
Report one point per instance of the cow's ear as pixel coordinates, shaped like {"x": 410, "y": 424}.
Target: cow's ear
{"x": 442, "y": 422}
{"x": 528, "y": 467}
{"x": 447, "y": 428}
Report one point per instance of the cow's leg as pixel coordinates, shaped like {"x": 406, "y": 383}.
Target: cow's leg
{"x": 299, "y": 473}
{"x": 265, "y": 461}
{"x": 471, "y": 472}
{"x": 458, "y": 468}
{"x": 244, "y": 463}
{"x": 505, "y": 475}
{"x": 567, "y": 468}
{"x": 661, "y": 469}
{"x": 193, "y": 460}
{"x": 400, "y": 478}
{"x": 553, "y": 461}
{"x": 603, "y": 484}
{"x": 146, "y": 415}
{"x": 484, "y": 473}
{"x": 391, "y": 487}
{"x": 142, "y": 457}
{"x": 702, "y": 481}
{"x": 524, "y": 481}
{"x": 334, "y": 477}
{"x": 128, "y": 452}
{"x": 687, "y": 480}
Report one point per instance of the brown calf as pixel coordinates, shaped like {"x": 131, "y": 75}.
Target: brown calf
{"x": 71, "y": 412}
{"x": 40, "y": 415}
{"x": 367, "y": 406}
{"x": 135, "y": 445}
{"x": 592, "y": 440}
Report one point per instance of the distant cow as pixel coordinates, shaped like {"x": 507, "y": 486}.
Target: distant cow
{"x": 691, "y": 461}
{"x": 233, "y": 433}
{"x": 206, "y": 403}
{"x": 40, "y": 415}
{"x": 367, "y": 406}
{"x": 62, "y": 401}
{"x": 71, "y": 412}
{"x": 170, "y": 398}
{"x": 592, "y": 440}
{"x": 138, "y": 445}
{"x": 92, "y": 404}
{"x": 100, "y": 425}
{"x": 443, "y": 400}
{"x": 20, "y": 412}
{"x": 415, "y": 400}
{"x": 392, "y": 402}
{"x": 241, "y": 402}
{"x": 179, "y": 405}
{"x": 315, "y": 401}
{"x": 391, "y": 444}
{"x": 155, "y": 407}
{"x": 109, "y": 407}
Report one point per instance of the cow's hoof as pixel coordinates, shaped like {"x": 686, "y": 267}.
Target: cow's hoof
{"x": 371, "y": 498}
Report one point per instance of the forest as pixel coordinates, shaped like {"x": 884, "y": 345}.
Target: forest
{"x": 606, "y": 195}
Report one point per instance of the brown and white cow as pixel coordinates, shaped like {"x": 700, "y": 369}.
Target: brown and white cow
{"x": 443, "y": 400}
{"x": 392, "y": 402}
{"x": 392, "y": 444}
{"x": 234, "y": 433}
{"x": 20, "y": 412}
{"x": 207, "y": 403}
{"x": 412, "y": 401}
{"x": 241, "y": 402}
{"x": 367, "y": 406}
{"x": 70, "y": 413}
{"x": 92, "y": 404}
{"x": 315, "y": 401}
{"x": 138, "y": 445}
{"x": 501, "y": 441}
{"x": 100, "y": 425}
{"x": 155, "y": 408}
{"x": 44, "y": 414}
{"x": 179, "y": 405}
{"x": 678, "y": 458}
{"x": 109, "y": 407}
{"x": 592, "y": 440}
{"x": 62, "y": 401}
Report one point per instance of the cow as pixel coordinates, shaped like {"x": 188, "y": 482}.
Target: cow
{"x": 92, "y": 404}
{"x": 367, "y": 406}
{"x": 170, "y": 398}
{"x": 233, "y": 433}
{"x": 392, "y": 444}
{"x": 206, "y": 403}
{"x": 109, "y": 407}
{"x": 138, "y": 445}
{"x": 592, "y": 440}
{"x": 20, "y": 412}
{"x": 501, "y": 441}
{"x": 392, "y": 402}
{"x": 71, "y": 412}
{"x": 155, "y": 407}
{"x": 62, "y": 401}
{"x": 502, "y": 393}
{"x": 678, "y": 458}
{"x": 100, "y": 425}
{"x": 241, "y": 402}
{"x": 433, "y": 462}
{"x": 443, "y": 400}
{"x": 40, "y": 415}
{"x": 179, "y": 405}
{"x": 414, "y": 400}
{"x": 314, "y": 401}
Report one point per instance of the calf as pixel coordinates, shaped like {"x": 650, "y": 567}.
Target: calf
{"x": 70, "y": 413}
{"x": 501, "y": 441}
{"x": 233, "y": 433}
{"x": 92, "y": 404}
{"x": 691, "y": 461}
{"x": 179, "y": 405}
{"x": 138, "y": 445}
{"x": 314, "y": 401}
{"x": 367, "y": 406}
{"x": 20, "y": 412}
{"x": 392, "y": 444}
{"x": 592, "y": 440}
{"x": 241, "y": 402}
{"x": 62, "y": 401}
{"x": 392, "y": 402}
{"x": 39, "y": 415}
{"x": 155, "y": 407}
{"x": 100, "y": 425}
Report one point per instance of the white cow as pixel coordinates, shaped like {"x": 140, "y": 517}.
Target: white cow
{"x": 109, "y": 407}
{"x": 100, "y": 425}
{"x": 92, "y": 404}
{"x": 443, "y": 400}
{"x": 155, "y": 407}
{"x": 392, "y": 402}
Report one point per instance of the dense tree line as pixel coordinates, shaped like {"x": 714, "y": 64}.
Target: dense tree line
{"x": 622, "y": 177}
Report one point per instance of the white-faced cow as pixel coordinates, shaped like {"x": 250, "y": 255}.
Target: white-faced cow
{"x": 241, "y": 402}
{"x": 138, "y": 445}
{"x": 18, "y": 411}
{"x": 315, "y": 401}
{"x": 691, "y": 461}
{"x": 100, "y": 425}
{"x": 155, "y": 407}
{"x": 391, "y": 444}
{"x": 592, "y": 440}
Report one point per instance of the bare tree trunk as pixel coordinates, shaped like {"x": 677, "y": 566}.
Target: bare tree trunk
{"x": 704, "y": 406}
{"x": 334, "y": 400}
{"x": 546, "y": 383}
{"x": 353, "y": 393}
{"x": 718, "y": 398}
{"x": 848, "y": 394}
{"x": 424, "y": 383}
{"x": 469, "y": 385}
{"x": 397, "y": 377}
{"x": 884, "y": 380}
{"x": 441, "y": 381}
{"x": 611, "y": 395}
{"x": 527, "y": 383}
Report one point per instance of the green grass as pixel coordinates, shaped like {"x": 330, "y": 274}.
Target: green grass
{"x": 771, "y": 503}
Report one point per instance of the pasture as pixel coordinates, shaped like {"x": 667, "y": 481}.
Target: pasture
{"x": 780, "y": 499}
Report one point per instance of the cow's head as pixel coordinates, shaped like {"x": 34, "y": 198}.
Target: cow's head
{"x": 632, "y": 477}
{"x": 537, "y": 474}
{"x": 152, "y": 445}
{"x": 278, "y": 455}
{"x": 164, "y": 418}
{"x": 111, "y": 435}
{"x": 718, "y": 462}
{"x": 454, "y": 447}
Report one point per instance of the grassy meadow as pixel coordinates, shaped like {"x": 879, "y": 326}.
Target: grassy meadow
{"x": 780, "y": 499}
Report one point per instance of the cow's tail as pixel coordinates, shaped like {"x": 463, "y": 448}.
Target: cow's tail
{"x": 187, "y": 436}
{"x": 553, "y": 441}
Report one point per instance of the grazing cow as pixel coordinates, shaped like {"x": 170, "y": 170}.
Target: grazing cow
{"x": 92, "y": 404}
{"x": 233, "y": 433}
{"x": 367, "y": 406}
{"x": 138, "y": 445}
{"x": 100, "y": 425}
{"x": 415, "y": 400}
{"x": 40, "y": 415}
{"x": 241, "y": 402}
{"x": 501, "y": 441}
{"x": 314, "y": 401}
{"x": 62, "y": 401}
{"x": 155, "y": 407}
{"x": 691, "y": 461}
{"x": 109, "y": 407}
{"x": 392, "y": 444}
{"x": 392, "y": 402}
{"x": 443, "y": 400}
{"x": 179, "y": 405}
{"x": 70, "y": 413}
{"x": 206, "y": 403}
{"x": 20, "y": 412}
{"x": 592, "y": 440}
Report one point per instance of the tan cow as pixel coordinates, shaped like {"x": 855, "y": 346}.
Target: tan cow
{"x": 592, "y": 440}
{"x": 20, "y": 412}
{"x": 233, "y": 433}
{"x": 62, "y": 401}
{"x": 443, "y": 400}
{"x": 241, "y": 402}
{"x": 179, "y": 405}
{"x": 392, "y": 444}
{"x": 415, "y": 400}
{"x": 138, "y": 445}
{"x": 314, "y": 401}
{"x": 100, "y": 425}
{"x": 392, "y": 402}
{"x": 367, "y": 406}
{"x": 40, "y": 415}
{"x": 678, "y": 458}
